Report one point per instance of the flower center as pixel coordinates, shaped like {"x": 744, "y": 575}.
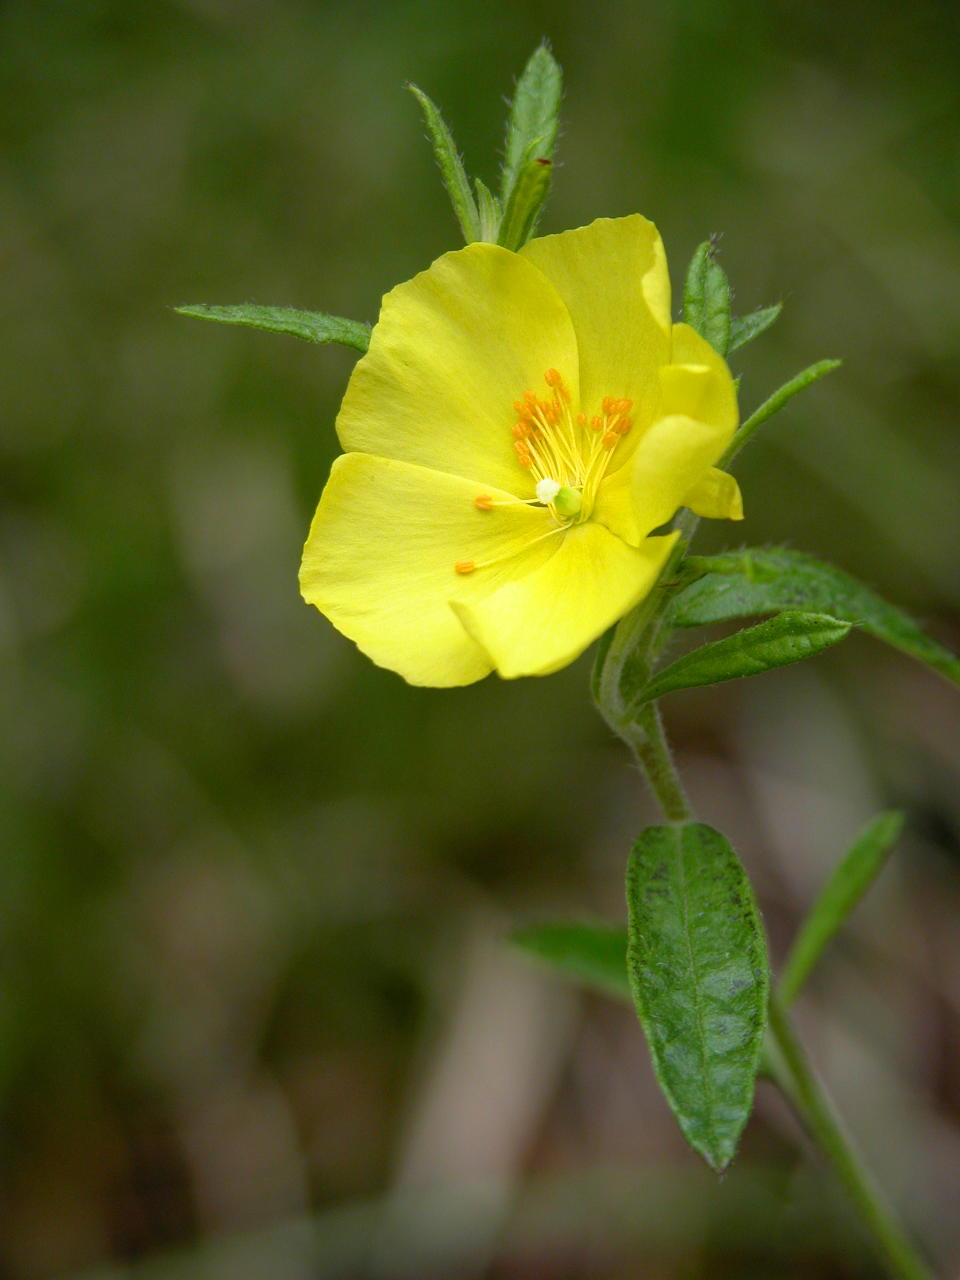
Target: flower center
{"x": 567, "y": 450}
{"x": 566, "y": 454}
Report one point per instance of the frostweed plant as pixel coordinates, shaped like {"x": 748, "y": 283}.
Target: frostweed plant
{"x": 529, "y": 443}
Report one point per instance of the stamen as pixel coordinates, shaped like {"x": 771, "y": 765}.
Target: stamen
{"x": 469, "y": 566}
{"x": 566, "y": 450}
{"x": 483, "y": 502}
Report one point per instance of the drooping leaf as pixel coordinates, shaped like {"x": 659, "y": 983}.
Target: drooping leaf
{"x": 744, "y": 329}
{"x": 773, "y": 404}
{"x": 526, "y": 201}
{"x": 697, "y": 963}
{"x": 788, "y": 637}
{"x": 706, "y": 298}
{"x": 849, "y": 882}
{"x": 594, "y": 954}
{"x": 760, "y": 580}
{"x": 312, "y": 326}
{"x": 451, "y": 167}
{"x": 534, "y": 118}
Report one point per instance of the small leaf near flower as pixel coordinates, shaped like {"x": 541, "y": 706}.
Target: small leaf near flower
{"x": 758, "y": 580}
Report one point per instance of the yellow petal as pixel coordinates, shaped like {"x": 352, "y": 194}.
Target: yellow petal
{"x": 716, "y": 495}
{"x": 379, "y": 562}
{"x": 453, "y": 349}
{"x": 697, "y": 382}
{"x": 543, "y": 621}
{"x": 671, "y": 458}
{"x": 613, "y": 277}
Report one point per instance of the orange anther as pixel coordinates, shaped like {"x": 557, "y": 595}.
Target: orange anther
{"x": 521, "y": 430}
{"x": 624, "y": 405}
{"x": 623, "y": 426}
{"x": 609, "y": 404}
{"x": 523, "y": 454}
{"x": 530, "y": 397}
{"x": 611, "y": 440}
{"x": 465, "y": 566}
{"x": 582, "y": 419}
{"x": 483, "y": 502}
{"x": 596, "y": 423}
{"x": 521, "y": 407}
{"x": 552, "y": 378}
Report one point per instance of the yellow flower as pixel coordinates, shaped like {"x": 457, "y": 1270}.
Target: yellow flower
{"x": 520, "y": 425}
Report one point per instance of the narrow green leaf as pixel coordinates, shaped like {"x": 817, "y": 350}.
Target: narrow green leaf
{"x": 451, "y": 167}
{"x": 775, "y": 403}
{"x": 849, "y": 882}
{"x": 760, "y": 580}
{"x": 594, "y": 954}
{"x": 313, "y": 326}
{"x": 526, "y": 201}
{"x": 706, "y": 298}
{"x": 534, "y": 118}
{"x": 490, "y": 212}
{"x": 697, "y": 964}
{"x": 744, "y": 329}
{"x": 788, "y": 637}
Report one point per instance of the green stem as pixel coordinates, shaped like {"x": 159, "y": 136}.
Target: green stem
{"x": 652, "y": 750}
{"x": 797, "y": 1080}
{"x": 786, "y": 1061}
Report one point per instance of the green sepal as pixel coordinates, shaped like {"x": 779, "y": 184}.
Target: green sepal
{"x": 744, "y": 329}
{"x": 706, "y": 298}
{"x": 533, "y": 120}
{"x": 773, "y": 404}
{"x": 527, "y": 197}
{"x": 697, "y": 965}
{"x": 490, "y": 212}
{"x": 788, "y": 637}
{"x": 451, "y": 167}
{"x": 589, "y": 953}
{"x": 758, "y": 580}
{"x": 313, "y": 326}
{"x": 852, "y": 878}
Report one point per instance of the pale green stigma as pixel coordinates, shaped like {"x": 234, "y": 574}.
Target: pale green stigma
{"x": 567, "y": 502}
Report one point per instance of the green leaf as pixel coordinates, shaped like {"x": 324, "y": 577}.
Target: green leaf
{"x": 451, "y": 167}
{"x": 490, "y": 212}
{"x": 534, "y": 118}
{"x": 764, "y": 579}
{"x": 849, "y": 882}
{"x": 313, "y": 326}
{"x": 775, "y": 403}
{"x": 744, "y": 329}
{"x": 594, "y": 954}
{"x": 697, "y": 964}
{"x": 789, "y": 637}
{"x": 526, "y": 201}
{"x": 706, "y": 298}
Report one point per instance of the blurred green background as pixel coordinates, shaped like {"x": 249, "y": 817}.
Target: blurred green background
{"x": 257, "y": 1016}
